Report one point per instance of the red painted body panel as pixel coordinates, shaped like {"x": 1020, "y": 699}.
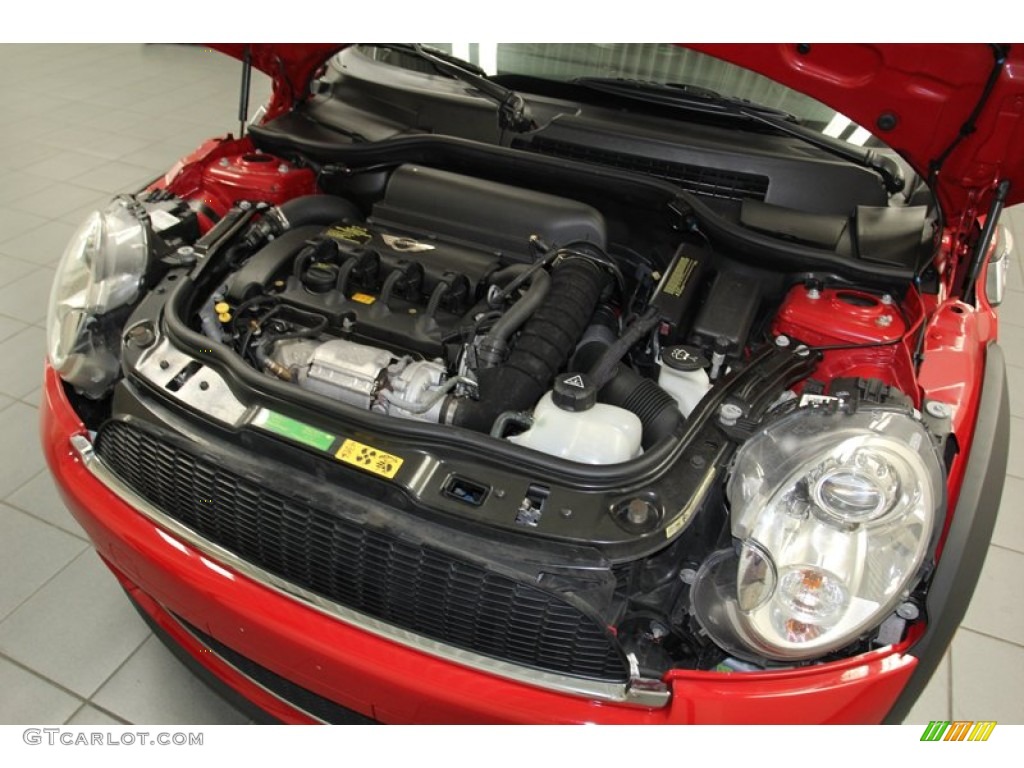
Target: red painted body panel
{"x": 393, "y": 683}
{"x": 227, "y": 674}
{"x": 257, "y": 176}
{"x": 223, "y": 171}
{"x": 953, "y": 372}
{"x": 290, "y": 65}
{"x": 839, "y": 316}
{"x": 844, "y": 316}
{"x": 930, "y": 89}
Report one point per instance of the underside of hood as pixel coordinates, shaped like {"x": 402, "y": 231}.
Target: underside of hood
{"x": 953, "y": 111}
{"x": 290, "y": 67}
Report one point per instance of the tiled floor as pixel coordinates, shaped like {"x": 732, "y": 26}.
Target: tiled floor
{"x": 82, "y": 122}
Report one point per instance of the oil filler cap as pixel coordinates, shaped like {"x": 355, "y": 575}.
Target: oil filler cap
{"x": 574, "y": 392}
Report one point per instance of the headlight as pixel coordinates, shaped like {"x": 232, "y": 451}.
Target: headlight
{"x": 101, "y": 271}
{"x": 833, "y": 514}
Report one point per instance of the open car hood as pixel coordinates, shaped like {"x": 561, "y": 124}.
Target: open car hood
{"x": 953, "y": 111}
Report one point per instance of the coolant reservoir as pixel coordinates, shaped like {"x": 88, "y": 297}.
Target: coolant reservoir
{"x": 568, "y": 422}
{"x": 684, "y": 376}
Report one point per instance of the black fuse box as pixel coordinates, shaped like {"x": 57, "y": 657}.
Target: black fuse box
{"x": 675, "y": 298}
{"x": 728, "y": 313}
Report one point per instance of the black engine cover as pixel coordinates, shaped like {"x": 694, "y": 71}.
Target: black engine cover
{"x": 408, "y": 276}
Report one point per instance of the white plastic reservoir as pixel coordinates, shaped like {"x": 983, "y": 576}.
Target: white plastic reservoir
{"x": 601, "y": 434}
{"x": 683, "y": 376}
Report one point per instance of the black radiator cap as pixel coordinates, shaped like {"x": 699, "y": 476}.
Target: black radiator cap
{"x": 574, "y": 392}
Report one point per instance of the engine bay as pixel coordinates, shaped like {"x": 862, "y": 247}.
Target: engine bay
{"x": 457, "y": 300}
{"x": 552, "y": 362}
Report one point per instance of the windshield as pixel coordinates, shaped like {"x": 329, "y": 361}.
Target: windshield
{"x": 648, "y": 62}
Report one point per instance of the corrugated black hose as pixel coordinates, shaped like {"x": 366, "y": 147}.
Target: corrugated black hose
{"x": 541, "y": 351}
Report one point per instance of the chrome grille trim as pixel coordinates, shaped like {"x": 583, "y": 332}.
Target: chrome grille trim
{"x": 640, "y": 693}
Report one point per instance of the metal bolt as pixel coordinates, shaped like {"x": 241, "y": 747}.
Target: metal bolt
{"x": 164, "y": 365}
{"x": 908, "y": 611}
{"x": 186, "y": 251}
{"x": 638, "y": 512}
{"x": 142, "y": 336}
{"x": 884, "y": 321}
{"x": 688, "y": 575}
{"x": 499, "y": 493}
{"x": 565, "y": 512}
{"x": 698, "y": 462}
{"x": 224, "y": 162}
{"x": 283, "y": 168}
{"x": 729, "y": 413}
{"x": 245, "y": 205}
{"x": 782, "y": 341}
{"x": 937, "y": 409}
{"x": 886, "y": 298}
{"x": 813, "y": 294}
{"x": 204, "y": 385}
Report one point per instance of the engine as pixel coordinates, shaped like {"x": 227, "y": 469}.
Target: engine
{"x": 405, "y": 311}
{"x": 461, "y": 301}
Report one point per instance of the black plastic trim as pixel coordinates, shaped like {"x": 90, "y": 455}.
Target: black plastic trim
{"x": 969, "y": 534}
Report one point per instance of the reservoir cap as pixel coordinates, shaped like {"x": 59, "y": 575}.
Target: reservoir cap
{"x": 574, "y": 392}
{"x": 682, "y": 358}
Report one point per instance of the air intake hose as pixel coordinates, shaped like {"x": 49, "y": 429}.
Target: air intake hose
{"x": 298, "y": 212}
{"x": 656, "y": 408}
{"x": 624, "y": 387}
{"x": 544, "y": 345}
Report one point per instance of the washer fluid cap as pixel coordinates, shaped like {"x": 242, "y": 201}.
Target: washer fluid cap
{"x": 683, "y": 358}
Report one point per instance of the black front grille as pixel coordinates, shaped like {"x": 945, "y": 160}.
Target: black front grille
{"x": 417, "y": 587}
{"x": 699, "y": 179}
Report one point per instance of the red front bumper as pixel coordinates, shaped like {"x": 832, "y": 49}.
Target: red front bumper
{"x": 391, "y": 682}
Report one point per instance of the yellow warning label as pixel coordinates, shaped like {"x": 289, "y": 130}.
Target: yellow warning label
{"x": 350, "y": 232}
{"x": 680, "y": 277}
{"x": 363, "y": 298}
{"x": 370, "y": 459}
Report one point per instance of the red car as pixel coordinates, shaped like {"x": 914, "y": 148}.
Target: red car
{"x": 624, "y": 385}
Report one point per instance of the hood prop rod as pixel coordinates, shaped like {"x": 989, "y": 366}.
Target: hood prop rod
{"x": 995, "y": 210}
{"x": 243, "y": 97}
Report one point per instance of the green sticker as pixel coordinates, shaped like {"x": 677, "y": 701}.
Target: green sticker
{"x": 294, "y": 430}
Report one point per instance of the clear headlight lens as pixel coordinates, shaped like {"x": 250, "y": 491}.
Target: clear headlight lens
{"x": 834, "y": 514}
{"x": 101, "y": 271}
